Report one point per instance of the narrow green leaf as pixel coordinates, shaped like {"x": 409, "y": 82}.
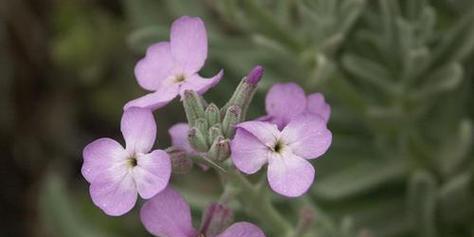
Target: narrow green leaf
{"x": 421, "y": 200}
{"x": 60, "y": 213}
{"x": 368, "y": 71}
{"x": 457, "y": 43}
{"x": 354, "y": 180}
{"x": 455, "y": 199}
{"x": 454, "y": 154}
{"x": 444, "y": 79}
{"x": 140, "y": 39}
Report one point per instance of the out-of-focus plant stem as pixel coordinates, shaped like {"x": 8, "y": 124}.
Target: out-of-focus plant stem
{"x": 256, "y": 201}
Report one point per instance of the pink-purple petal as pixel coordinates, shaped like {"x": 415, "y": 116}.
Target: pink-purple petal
{"x": 242, "y": 229}
{"x": 157, "y": 66}
{"x": 279, "y": 122}
{"x": 266, "y": 133}
{"x": 152, "y": 173}
{"x": 139, "y": 130}
{"x": 114, "y": 192}
{"x": 255, "y": 75}
{"x": 247, "y": 152}
{"x": 100, "y": 156}
{"x": 290, "y": 175}
{"x": 199, "y": 84}
{"x": 285, "y": 101}
{"x": 316, "y": 104}
{"x": 307, "y": 136}
{"x": 179, "y": 138}
{"x": 215, "y": 219}
{"x": 188, "y": 40}
{"x": 167, "y": 214}
{"x": 156, "y": 99}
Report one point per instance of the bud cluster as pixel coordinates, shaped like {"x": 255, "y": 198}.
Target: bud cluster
{"x": 211, "y": 128}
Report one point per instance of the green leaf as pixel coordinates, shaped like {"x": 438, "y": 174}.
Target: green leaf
{"x": 355, "y": 180}
{"x": 457, "y": 43}
{"x": 144, "y": 12}
{"x": 444, "y": 79}
{"x": 140, "y": 39}
{"x": 414, "y": 8}
{"x": 456, "y": 198}
{"x": 368, "y": 71}
{"x": 454, "y": 153}
{"x": 60, "y": 213}
{"x": 422, "y": 192}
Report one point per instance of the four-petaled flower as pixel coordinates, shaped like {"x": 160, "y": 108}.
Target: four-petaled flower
{"x": 286, "y": 152}
{"x": 285, "y": 101}
{"x": 170, "y": 68}
{"x": 168, "y": 215}
{"x": 293, "y": 131}
{"x": 117, "y": 174}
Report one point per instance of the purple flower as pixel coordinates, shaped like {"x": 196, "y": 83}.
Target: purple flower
{"x": 286, "y": 152}
{"x": 170, "y": 68}
{"x": 286, "y": 101}
{"x": 117, "y": 174}
{"x": 168, "y": 214}
{"x": 179, "y": 138}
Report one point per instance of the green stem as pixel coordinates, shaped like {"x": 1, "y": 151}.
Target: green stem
{"x": 258, "y": 204}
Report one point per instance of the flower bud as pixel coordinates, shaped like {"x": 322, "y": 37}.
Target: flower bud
{"x": 254, "y": 76}
{"x": 193, "y": 106}
{"x": 212, "y": 114}
{"x": 197, "y": 140}
{"x": 220, "y": 149}
{"x": 214, "y": 132}
{"x": 202, "y": 125}
{"x": 180, "y": 162}
{"x": 231, "y": 118}
{"x": 245, "y": 91}
{"x": 216, "y": 219}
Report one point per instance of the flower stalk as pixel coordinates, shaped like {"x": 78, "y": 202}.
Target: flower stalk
{"x": 257, "y": 203}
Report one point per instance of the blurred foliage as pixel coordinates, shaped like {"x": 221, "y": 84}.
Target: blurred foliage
{"x": 397, "y": 73}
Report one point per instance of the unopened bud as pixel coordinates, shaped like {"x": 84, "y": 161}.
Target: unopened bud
{"x": 220, "y": 149}
{"x": 197, "y": 140}
{"x": 214, "y": 132}
{"x": 216, "y": 219}
{"x": 212, "y": 114}
{"x": 193, "y": 106}
{"x": 180, "y": 162}
{"x": 254, "y": 76}
{"x": 245, "y": 91}
{"x": 202, "y": 125}
{"x": 231, "y": 118}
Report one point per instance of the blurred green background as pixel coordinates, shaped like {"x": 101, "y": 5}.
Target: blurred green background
{"x": 398, "y": 74}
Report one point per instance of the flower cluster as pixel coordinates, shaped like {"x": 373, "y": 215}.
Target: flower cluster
{"x": 293, "y": 131}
